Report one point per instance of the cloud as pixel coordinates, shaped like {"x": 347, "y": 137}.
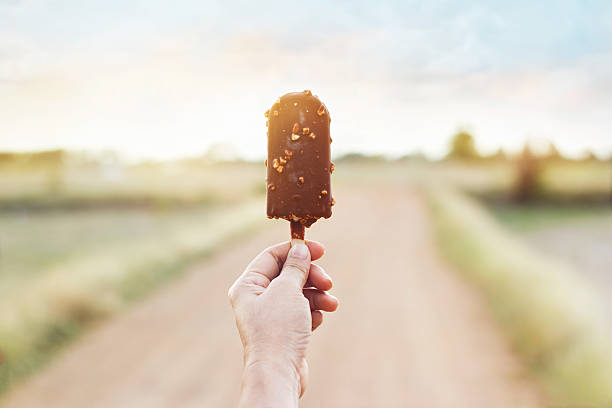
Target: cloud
{"x": 403, "y": 81}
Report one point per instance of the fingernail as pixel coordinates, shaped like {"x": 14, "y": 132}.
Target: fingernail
{"x": 299, "y": 250}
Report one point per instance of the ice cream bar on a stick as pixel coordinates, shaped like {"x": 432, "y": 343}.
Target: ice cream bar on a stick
{"x": 299, "y": 165}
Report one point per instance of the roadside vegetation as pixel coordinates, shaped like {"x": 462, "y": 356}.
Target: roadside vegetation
{"x": 80, "y": 243}
{"x": 551, "y": 315}
{"x": 554, "y": 316}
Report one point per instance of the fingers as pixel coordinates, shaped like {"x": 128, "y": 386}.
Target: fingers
{"x": 271, "y": 260}
{"x": 318, "y": 278}
{"x": 297, "y": 264}
{"x": 317, "y": 318}
{"x": 320, "y": 300}
{"x": 268, "y": 264}
{"x": 279, "y": 251}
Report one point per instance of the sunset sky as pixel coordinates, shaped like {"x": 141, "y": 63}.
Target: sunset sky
{"x": 159, "y": 79}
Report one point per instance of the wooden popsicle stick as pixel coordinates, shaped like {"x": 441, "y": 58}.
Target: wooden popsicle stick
{"x": 297, "y": 230}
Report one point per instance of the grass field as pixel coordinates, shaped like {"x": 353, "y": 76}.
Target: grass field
{"x": 550, "y": 313}
{"x": 159, "y": 186}
{"x": 535, "y": 216}
{"x": 583, "y": 181}
{"x": 61, "y": 273}
{"x": 574, "y": 183}
{"x": 83, "y": 251}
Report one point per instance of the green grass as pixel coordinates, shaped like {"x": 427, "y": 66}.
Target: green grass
{"x": 62, "y": 272}
{"x": 551, "y": 316}
{"x": 528, "y": 217}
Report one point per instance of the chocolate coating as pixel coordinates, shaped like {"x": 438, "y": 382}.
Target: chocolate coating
{"x": 299, "y": 166}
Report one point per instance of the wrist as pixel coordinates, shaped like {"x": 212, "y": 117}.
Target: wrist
{"x": 269, "y": 383}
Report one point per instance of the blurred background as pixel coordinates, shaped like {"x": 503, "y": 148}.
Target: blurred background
{"x": 132, "y": 141}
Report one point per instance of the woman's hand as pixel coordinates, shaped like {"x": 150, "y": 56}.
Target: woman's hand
{"x": 277, "y": 303}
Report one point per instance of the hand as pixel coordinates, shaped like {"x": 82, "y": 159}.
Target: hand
{"x": 277, "y": 303}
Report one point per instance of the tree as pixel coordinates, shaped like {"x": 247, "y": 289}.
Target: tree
{"x": 528, "y": 181}
{"x": 463, "y": 146}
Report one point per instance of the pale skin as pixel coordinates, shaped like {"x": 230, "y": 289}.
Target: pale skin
{"x": 278, "y": 302}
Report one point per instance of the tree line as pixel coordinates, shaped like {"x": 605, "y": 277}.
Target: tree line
{"x": 463, "y": 147}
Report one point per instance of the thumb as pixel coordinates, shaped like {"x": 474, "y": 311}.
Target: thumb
{"x": 297, "y": 264}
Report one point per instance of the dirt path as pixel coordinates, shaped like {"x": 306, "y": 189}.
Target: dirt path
{"x": 409, "y": 332}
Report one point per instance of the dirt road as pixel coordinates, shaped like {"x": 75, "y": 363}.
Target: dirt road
{"x": 408, "y": 333}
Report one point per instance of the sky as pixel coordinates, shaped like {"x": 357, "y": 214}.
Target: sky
{"x": 158, "y": 79}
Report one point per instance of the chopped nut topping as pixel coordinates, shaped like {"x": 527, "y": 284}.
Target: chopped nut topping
{"x": 282, "y": 161}
{"x": 296, "y": 128}
{"x": 332, "y": 167}
{"x": 323, "y": 192}
{"x": 280, "y": 169}
{"x": 307, "y": 92}
{"x": 295, "y": 137}
{"x": 333, "y": 201}
{"x": 305, "y": 131}
{"x": 271, "y": 187}
{"x": 266, "y": 162}
{"x": 321, "y": 110}
{"x": 300, "y": 180}
{"x": 275, "y": 163}
{"x": 267, "y": 114}
{"x": 312, "y": 135}
{"x": 295, "y": 217}
{"x": 330, "y": 140}
{"x": 267, "y": 123}
{"x": 275, "y": 113}
{"x": 288, "y": 153}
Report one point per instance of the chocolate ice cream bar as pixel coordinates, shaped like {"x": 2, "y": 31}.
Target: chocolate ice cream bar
{"x": 298, "y": 165}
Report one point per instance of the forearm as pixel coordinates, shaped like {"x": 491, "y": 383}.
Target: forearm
{"x": 269, "y": 385}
